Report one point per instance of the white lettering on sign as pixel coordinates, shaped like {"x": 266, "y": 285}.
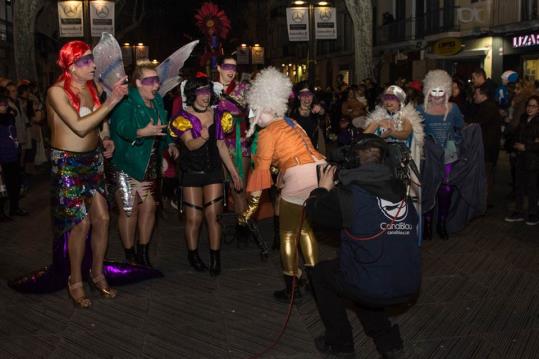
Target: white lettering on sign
{"x": 525, "y": 40}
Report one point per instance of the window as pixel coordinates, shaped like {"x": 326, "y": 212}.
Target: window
{"x": 528, "y": 10}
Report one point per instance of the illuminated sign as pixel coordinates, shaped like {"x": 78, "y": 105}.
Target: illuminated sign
{"x": 525, "y": 40}
{"x": 447, "y": 47}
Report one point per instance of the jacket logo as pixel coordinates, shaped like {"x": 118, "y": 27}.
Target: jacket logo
{"x": 393, "y": 211}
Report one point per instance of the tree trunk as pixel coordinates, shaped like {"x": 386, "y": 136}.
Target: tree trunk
{"x": 361, "y": 13}
{"x": 24, "y": 20}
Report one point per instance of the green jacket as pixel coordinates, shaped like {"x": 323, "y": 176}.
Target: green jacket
{"x": 132, "y": 154}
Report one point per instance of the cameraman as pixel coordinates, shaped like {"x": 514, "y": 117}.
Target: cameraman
{"x": 379, "y": 260}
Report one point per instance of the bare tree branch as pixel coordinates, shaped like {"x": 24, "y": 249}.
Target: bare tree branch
{"x": 136, "y": 20}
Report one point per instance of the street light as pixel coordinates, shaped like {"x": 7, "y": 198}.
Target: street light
{"x": 312, "y": 49}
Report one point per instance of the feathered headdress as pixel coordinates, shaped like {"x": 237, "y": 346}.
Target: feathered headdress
{"x": 269, "y": 92}
{"x": 437, "y": 79}
{"x": 212, "y": 21}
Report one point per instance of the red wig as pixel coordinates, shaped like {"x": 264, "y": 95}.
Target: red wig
{"x": 69, "y": 53}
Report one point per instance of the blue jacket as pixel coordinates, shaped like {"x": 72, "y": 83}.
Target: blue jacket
{"x": 387, "y": 266}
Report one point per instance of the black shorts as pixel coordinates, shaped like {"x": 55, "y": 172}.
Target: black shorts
{"x": 190, "y": 179}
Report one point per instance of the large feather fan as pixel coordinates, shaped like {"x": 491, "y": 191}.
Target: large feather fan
{"x": 108, "y": 62}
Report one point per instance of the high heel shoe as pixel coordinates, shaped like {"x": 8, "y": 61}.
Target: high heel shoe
{"x": 104, "y": 290}
{"x": 195, "y": 261}
{"x": 82, "y": 301}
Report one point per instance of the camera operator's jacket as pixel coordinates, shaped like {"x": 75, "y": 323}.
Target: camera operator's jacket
{"x": 369, "y": 202}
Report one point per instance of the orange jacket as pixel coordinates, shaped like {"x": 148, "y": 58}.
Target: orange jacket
{"x": 283, "y": 146}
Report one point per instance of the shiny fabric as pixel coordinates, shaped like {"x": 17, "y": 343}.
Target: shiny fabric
{"x": 76, "y": 178}
{"x": 128, "y": 187}
{"x": 284, "y": 144}
{"x": 290, "y": 219}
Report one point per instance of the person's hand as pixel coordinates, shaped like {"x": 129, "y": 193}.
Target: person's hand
{"x": 519, "y": 147}
{"x": 236, "y": 180}
{"x": 173, "y": 151}
{"x": 327, "y": 176}
{"x": 119, "y": 90}
{"x": 386, "y": 133}
{"x": 152, "y": 130}
{"x": 108, "y": 145}
{"x": 316, "y": 109}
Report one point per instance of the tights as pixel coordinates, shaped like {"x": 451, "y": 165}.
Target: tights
{"x": 142, "y": 216}
{"x": 204, "y": 201}
{"x": 444, "y": 196}
{"x": 289, "y": 226}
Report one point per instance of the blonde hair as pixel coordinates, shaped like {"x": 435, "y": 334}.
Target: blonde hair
{"x": 139, "y": 69}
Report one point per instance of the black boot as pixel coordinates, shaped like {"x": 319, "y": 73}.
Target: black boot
{"x": 283, "y": 296}
{"x": 427, "y": 228}
{"x": 215, "y": 262}
{"x": 441, "y": 229}
{"x": 130, "y": 255}
{"x": 195, "y": 261}
{"x": 309, "y": 282}
{"x": 143, "y": 257}
{"x": 276, "y": 234}
{"x": 243, "y": 235}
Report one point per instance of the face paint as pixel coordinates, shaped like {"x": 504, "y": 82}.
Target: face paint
{"x": 228, "y": 67}
{"x": 85, "y": 60}
{"x": 203, "y": 91}
{"x": 306, "y": 94}
{"x": 150, "y": 81}
{"x": 437, "y": 92}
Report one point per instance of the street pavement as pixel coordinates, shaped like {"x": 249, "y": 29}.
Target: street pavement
{"x": 479, "y": 297}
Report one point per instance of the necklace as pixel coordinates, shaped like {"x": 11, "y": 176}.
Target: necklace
{"x": 198, "y": 110}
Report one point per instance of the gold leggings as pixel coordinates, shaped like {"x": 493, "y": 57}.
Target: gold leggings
{"x": 290, "y": 218}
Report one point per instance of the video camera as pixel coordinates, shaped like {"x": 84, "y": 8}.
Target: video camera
{"x": 396, "y": 155}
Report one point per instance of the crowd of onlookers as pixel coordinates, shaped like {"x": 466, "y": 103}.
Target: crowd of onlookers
{"x": 22, "y": 146}
{"x": 506, "y": 111}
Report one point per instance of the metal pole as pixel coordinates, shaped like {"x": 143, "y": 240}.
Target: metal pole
{"x": 311, "y": 52}
{"x": 86, "y": 17}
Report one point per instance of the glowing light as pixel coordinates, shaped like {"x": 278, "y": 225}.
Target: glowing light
{"x": 298, "y": 2}
{"x": 140, "y": 44}
{"x": 323, "y": 3}
{"x": 126, "y": 44}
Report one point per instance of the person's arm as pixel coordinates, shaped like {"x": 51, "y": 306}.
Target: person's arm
{"x": 400, "y": 134}
{"x": 195, "y": 143}
{"x": 372, "y": 127}
{"x": 81, "y": 126}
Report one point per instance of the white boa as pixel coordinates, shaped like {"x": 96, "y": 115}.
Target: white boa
{"x": 416, "y": 148}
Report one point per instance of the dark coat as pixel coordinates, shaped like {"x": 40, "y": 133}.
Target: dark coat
{"x": 527, "y": 133}
{"x": 488, "y": 116}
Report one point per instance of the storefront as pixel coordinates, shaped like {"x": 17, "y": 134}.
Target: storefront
{"x": 461, "y": 57}
{"x": 521, "y": 54}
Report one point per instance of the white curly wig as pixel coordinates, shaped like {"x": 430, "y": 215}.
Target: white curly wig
{"x": 269, "y": 92}
{"x": 437, "y": 79}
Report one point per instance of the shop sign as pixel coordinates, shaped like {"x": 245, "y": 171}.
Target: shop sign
{"x": 257, "y": 55}
{"x": 102, "y": 17}
{"x": 525, "y": 40}
{"x": 70, "y": 19}
{"x": 447, "y": 47}
{"x": 325, "y": 22}
{"x": 297, "y": 20}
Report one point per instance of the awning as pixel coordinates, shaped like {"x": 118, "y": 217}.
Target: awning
{"x": 461, "y": 55}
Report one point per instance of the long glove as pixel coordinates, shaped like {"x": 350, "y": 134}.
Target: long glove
{"x": 252, "y": 206}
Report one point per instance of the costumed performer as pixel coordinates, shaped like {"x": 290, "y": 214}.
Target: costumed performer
{"x": 137, "y": 127}
{"x": 200, "y": 131}
{"x": 395, "y": 121}
{"x": 232, "y": 99}
{"x": 285, "y": 145}
{"x": 78, "y": 194}
{"x": 443, "y": 127}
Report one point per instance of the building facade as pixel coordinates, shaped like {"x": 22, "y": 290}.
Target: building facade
{"x": 333, "y": 57}
{"x": 7, "y": 62}
{"x": 414, "y": 36}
